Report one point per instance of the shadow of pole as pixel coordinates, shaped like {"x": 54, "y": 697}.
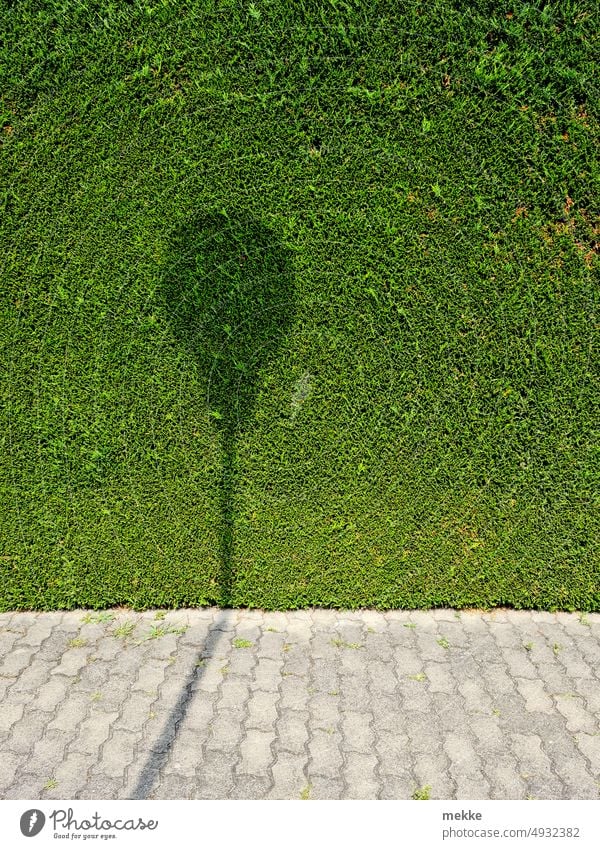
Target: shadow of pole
{"x": 229, "y": 298}
{"x": 159, "y": 750}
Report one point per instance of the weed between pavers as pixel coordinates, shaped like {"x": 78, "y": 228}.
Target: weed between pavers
{"x": 422, "y": 793}
{"x": 157, "y": 631}
{"x": 123, "y": 631}
{"x": 305, "y": 792}
{"x": 242, "y": 644}
{"x": 96, "y": 618}
{"x": 340, "y": 644}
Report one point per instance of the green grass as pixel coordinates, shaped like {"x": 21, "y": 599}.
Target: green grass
{"x": 298, "y": 304}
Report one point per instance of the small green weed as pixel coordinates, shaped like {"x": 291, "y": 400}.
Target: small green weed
{"x": 160, "y": 614}
{"x": 77, "y": 643}
{"x": 527, "y": 646}
{"x": 420, "y": 676}
{"x": 422, "y": 793}
{"x": 51, "y": 784}
{"x": 124, "y": 630}
{"x": 158, "y": 631}
{"x": 556, "y": 648}
{"x": 305, "y": 792}
{"x": 409, "y": 625}
{"x": 242, "y": 644}
{"x": 584, "y": 620}
{"x": 287, "y": 646}
{"x": 102, "y": 616}
{"x": 443, "y": 642}
{"x": 340, "y": 644}
{"x": 95, "y": 697}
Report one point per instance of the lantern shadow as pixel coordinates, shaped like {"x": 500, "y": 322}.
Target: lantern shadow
{"x": 229, "y": 296}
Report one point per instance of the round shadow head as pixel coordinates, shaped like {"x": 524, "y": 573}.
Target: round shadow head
{"x": 229, "y": 297}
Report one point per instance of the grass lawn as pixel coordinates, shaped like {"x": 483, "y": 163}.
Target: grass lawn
{"x": 299, "y": 304}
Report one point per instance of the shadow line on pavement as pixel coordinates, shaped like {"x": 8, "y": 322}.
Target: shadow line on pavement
{"x": 158, "y": 751}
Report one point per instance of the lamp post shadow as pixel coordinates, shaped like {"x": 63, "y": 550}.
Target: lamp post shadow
{"x": 229, "y": 296}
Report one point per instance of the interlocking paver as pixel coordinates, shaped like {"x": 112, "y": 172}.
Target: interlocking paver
{"x": 359, "y": 774}
{"x": 301, "y": 704}
{"x": 256, "y": 752}
{"x": 291, "y": 731}
{"x": 325, "y": 755}
{"x": 289, "y": 779}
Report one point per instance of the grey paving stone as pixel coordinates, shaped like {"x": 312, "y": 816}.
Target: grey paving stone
{"x": 262, "y": 711}
{"x": 117, "y": 753}
{"x": 14, "y": 663}
{"x": 323, "y": 788}
{"x": 577, "y": 717}
{"x": 394, "y": 753}
{"x": 431, "y": 770}
{"x": 72, "y": 773}
{"x": 199, "y": 710}
{"x": 26, "y": 732}
{"x": 48, "y": 752}
{"x": 330, "y": 704}
{"x": 250, "y": 787}
{"x": 289, "y": 777}
{"x": 10, "y": 714}
{"x": 504, "y": 777}
{"x": 10, "y": 762}
{"x": 256, "y": 752}
{"x": 535, "y": 695}
{"x": 325, "y": 755}
{"x": 294, "y": 693}
{"x": 589, "y": 746}
{"x": 271, "y": 645}
{"x": 215, "y": 779}
{"x": 357, "y": 733}
{"x": 226, "y": 733}
{"x": 291, "y": 731}
{"x": 360, "y": 778}
{"x": 70, "y": 712}
{"x": 398, "y": 787}
{"x": 324, "y": 710}
{"x": 382, "y": 676}
{"x": 100, "y": 786}
{"x": 440, "y": 678}
{"x": 93, "y": 732}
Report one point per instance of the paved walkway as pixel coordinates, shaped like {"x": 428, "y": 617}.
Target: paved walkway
{"x": 209, "y": 703}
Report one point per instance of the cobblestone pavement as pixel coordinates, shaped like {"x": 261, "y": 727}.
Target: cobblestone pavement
{"x": 209, "y": 703}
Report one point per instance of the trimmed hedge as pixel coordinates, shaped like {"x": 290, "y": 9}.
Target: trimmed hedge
{"x": 298, "y": 304}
